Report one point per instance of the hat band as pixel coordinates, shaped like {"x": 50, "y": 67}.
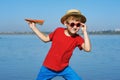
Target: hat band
{"x": 74, "y": 13}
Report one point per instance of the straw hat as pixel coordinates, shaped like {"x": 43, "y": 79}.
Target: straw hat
{"x": 73, "y": 12}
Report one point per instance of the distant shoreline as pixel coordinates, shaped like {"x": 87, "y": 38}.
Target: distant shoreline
{"x": 19, "y": 33}
{"x": 91, "y": 33}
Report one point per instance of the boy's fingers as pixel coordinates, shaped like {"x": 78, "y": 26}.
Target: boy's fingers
{"x": 82, "y": 24}
{"x": 29, "y": 22}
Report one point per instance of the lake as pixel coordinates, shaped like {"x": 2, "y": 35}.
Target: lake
{"x": 21, "y": 57}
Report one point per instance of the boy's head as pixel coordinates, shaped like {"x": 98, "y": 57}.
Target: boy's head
{"x": 73, "y": 14}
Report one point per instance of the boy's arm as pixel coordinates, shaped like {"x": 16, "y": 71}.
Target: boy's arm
{"x": 86, "y": 45}
{"x": 42, "y": 36}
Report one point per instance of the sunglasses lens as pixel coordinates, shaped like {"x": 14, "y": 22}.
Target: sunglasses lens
{"x": 78, "y": 25}
{"x": 72, "y": 24}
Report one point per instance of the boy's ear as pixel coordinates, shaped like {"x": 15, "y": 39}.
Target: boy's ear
{"x": 65, "y": 23}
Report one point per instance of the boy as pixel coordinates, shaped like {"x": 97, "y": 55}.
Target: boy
{"x": 64, "y": 41}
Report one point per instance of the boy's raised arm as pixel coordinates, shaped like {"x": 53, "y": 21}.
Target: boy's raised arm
{"x": 42, "y": 36}
{"x": 86, "y": 45}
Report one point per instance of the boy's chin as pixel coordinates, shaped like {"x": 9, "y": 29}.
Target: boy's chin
{"x": 73, "y": 33}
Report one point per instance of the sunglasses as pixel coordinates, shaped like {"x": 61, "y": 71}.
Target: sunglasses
{"x": 73, "y": 24}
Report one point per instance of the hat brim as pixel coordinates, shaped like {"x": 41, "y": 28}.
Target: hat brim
{"x": 83, "y": 18}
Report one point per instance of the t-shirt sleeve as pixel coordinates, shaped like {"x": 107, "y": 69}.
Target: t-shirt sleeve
{"x": 51, "y": 35}
{"x": 80, "y": 42}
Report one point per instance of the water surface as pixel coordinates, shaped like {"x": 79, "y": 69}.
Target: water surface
{"x": 21, "y": 57}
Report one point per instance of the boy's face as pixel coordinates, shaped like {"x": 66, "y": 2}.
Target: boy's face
{"x": 73, "y": 26}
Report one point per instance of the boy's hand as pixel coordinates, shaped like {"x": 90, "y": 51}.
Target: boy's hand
{"x": 84, "y": 27}
{"x": 31, "y": 24}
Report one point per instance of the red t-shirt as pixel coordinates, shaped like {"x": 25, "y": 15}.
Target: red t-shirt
{"x": 61, "y": 49}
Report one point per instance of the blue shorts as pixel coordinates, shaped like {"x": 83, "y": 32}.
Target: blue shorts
{"x": 47, "y": 74}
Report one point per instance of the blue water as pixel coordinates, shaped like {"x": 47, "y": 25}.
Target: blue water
{"x": 21, "y": 57}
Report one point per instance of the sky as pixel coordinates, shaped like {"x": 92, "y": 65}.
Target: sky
{"x": 100, "y": 14}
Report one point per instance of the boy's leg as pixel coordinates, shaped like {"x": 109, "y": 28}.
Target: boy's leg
{"x": 45, "y": 74}
{"x": 70, "y": 74}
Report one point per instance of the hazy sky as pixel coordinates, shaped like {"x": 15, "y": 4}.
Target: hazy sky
{"x": 101, "y": 14}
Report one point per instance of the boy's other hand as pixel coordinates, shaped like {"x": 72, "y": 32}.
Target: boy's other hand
{"x": 83, "y": 27}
